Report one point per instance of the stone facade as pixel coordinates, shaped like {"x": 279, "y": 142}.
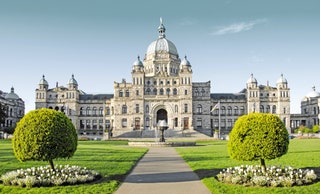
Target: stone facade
{"x": 14, "y": 109}
{"x": 161, "y": 89}
{"x": 310, "y": 113}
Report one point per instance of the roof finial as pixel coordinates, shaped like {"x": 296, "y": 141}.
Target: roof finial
{"x": 161, "y": 29}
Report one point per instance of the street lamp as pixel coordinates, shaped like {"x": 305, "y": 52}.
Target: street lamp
{"x": 162, "y": 125}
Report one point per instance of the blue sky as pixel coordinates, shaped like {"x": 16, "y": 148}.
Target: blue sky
{"x": 98, "y": 41}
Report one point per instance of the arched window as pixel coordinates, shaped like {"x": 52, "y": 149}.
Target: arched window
{"x": 148, "y": 91}
{"x": 203, "y": 92}
{"x": 100, "y": 111}
{"x": 107, "y": 111}
{"x": 229, "y": 110}
{"x": 241, "y": 110}
{"x": 124, "y": 109}
{"x": 161, "y": 91}
{"x": 274, "y": 109}
{"x": 223, "y": 110}
{"x": 168, "y": 91}
{"x": 268, "y": 109}
{"x": 199, "y": 108}
{"x": 155, "y": 92}
{"x": 81, "y": 111}
{"x": 88, "y": 111}
{"x": 147, "y": 108}
{"x": 236, "y": 110}
{"x": 94, "y": 111}
{"x": 261, "y": 108}
{"x": 196, "y": 93}
{"x": 175, "y": 91}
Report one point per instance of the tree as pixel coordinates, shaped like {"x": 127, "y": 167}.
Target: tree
{"x": 44, "y": 135}
{"x": 315, "y": 128}
{"x": 258, "y": 136}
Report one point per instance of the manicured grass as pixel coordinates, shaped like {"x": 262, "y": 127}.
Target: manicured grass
{"x": 112, "y": 159}
{"x": 210, "y": 157}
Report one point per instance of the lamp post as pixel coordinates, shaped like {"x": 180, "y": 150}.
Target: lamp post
{"x": 216, "y": 132}
{"x": 162, "y": 125}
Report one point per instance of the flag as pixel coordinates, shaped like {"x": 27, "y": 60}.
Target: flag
{"x": 217, "y": 106}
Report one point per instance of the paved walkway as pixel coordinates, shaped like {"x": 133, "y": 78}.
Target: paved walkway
{"x": 163, "y": 171}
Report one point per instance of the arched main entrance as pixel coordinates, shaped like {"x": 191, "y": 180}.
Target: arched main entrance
{"x": 162, "y": 115}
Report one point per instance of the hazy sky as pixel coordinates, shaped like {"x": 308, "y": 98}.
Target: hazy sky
{"x": 98, "y": 41}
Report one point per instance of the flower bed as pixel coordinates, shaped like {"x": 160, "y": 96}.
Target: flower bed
{"x": 274, "y": 177}
{"x": 45, "y": 176}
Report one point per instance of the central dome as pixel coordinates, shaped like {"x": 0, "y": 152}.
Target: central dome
{"x": 162, "y": 44}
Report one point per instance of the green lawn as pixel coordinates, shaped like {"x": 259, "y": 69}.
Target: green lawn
{"x": 112, "y": 159}
{"x": 210, "y": 157}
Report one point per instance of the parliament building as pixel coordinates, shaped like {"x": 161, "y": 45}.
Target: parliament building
{"x": 161, "y": 88}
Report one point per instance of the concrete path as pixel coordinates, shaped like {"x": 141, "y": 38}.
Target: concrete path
{"x": 163, "y": 171}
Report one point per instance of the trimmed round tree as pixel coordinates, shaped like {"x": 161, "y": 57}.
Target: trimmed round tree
{"x": 258, "y": 136}
{"x": 43, "y": 135}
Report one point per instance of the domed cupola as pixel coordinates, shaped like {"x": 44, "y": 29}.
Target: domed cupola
{"x": 138, "y": 62}
{"x": 43, "y": 84}
{"x": 137, "y": 65}
{"x": 252, "y": 82}
{"x": 313, "y": 93}
{"x": 185, "y": 62}
{"x": 161, "y": 45}
{"x": 12, "y": 95}
{"x": 73, "y": 84}
{"x": 282, "y": 82}
{"x": 185, "y": 65}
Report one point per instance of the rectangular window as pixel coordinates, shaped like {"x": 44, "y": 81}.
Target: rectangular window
{"x": 100, "y": 123}
{"x": 223, "y": 123}
{"x": 88, "y": 126}
{"x": 94, "y": 124}
{"x": 199, "y": 123}
{"x": 185, "y": 92}
{"x": 185, "y": 108}
{"x": 81, "y": 124}
{"x": 229, "y": 123}
{"x": 124, "y": 122}
{"x": 137, "y": 108}
{"x": 108, "y": 126}
{"x": 176, "y": 122}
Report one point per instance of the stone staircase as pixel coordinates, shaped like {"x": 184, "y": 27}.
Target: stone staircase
{"x": 169, "y": 133}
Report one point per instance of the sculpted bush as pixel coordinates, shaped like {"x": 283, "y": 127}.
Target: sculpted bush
{"x": 44, "y": 135}
{"x": 258, "y": 136}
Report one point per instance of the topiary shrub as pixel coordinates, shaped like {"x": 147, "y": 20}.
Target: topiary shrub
{"x": 44, "y": 135}
{"x": 258, "y": 136}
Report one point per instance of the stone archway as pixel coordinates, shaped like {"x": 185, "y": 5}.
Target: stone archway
{"x": 162, "y": 114}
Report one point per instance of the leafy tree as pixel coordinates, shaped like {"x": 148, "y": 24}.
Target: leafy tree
{"x": 258, "y": 136}
{"x": 44, "y": 135}
{"x": 315, "y": 128}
